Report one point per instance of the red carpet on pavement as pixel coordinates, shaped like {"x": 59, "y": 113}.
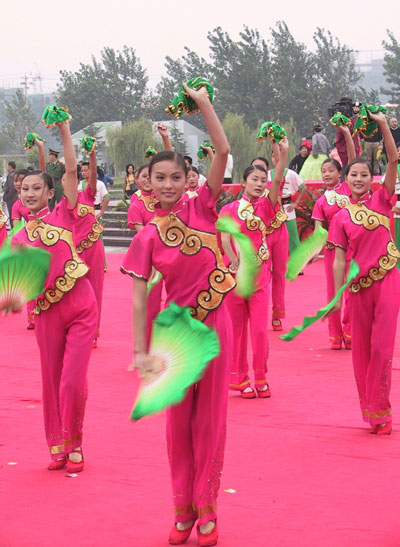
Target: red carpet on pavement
{"x": 300, "y": 468}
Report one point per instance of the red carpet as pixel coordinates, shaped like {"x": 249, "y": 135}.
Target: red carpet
{"x": 304, "y": 470}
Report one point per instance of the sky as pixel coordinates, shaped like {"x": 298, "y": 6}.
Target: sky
{"x": 46, "y": 37}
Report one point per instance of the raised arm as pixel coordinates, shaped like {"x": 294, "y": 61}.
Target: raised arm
{"x": 42, "y": 155}
{"x": 217, "y": 137}
{"x": 348, "y": 139}
{"x": 93, "y": 172}
{"x": 164, "y": 134}
{"x": 281, "y": 151}
{"x": 71, "y": 181}
{"x": 391, "y": 152}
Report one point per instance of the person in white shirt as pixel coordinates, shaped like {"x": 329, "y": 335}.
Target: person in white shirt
{"x": 228, "y": 170}
{"x": 102, "y": 196}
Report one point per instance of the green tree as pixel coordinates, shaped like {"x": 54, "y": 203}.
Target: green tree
{"x": 242, "y": 142}
{"x": 177, "y": 140}
{"x": 110, "y": 89}
{"x": 128, "y": 143}
{"x": 391, "y": 69}
{"x": 19, "y": 120}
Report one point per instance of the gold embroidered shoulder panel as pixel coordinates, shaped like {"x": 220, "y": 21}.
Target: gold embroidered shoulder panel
{"x": 385, "y": 263}
{"x": 333, "y": 198}
{"x": 253, "y": 222}
{"x": 74, "y": 268}
{"x": 3, "y": 218}
{"x": 148, "y": 201}
{"x": 369, "y": 219}
{"x": 97, "y": 229}
{"x": 173, "y": 232}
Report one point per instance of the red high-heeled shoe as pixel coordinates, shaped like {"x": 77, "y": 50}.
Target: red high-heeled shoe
{"x": 248, "y": 394}
{"x": 264, "y": 393}
{"x": 178, "y": 537}
{"x": 55, "y": 465}
{"x": 206, "y": 540}
{"x": 75, "y": 467}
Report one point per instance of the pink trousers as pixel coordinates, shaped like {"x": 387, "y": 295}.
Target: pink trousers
{"x": 65, "y": 335}
{"x": 3, "y": 234}
{"x": 253, "y": 311}
{"x": 278, "y": 246}
{"x": 336, "y": 331}
{"x": 373, "y": 322}
{"x": 94, "y": 258}
{"x": 196, "y": 430}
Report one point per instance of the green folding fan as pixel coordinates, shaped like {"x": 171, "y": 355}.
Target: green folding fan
{"x": 23, "y": 271}
{"x": 181, "y": 348}
{"x": 248, "y": 268}
{"x": 305, "y": 252}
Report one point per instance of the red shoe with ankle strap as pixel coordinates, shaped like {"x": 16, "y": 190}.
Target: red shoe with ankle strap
{"x": 264, "y": 393}
{"x": 384, "y": 429}
{"x": 55, "y": 465}
{"x": 205, "y": 540}
{"x": 178, "y": 537}
{"x": 277, "y": 324}
{"x": 248, "y": 394}
{"x": 75, "y": 467}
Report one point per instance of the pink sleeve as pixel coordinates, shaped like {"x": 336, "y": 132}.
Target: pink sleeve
{"x": 134, "y": 215}
{"x": 205, "y": 204}
{"x": 63, "y": 215}
{"x": 337, "y": 233}
{"x": 380, "y": 201}
{"x": 318, "y": 211}
{"x": 137, "y": 261}
{"x": 88, "y": 194}
{"x": 15, "y": 213}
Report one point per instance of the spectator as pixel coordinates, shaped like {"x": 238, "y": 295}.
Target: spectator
{"x": 371, "y": 147}
{"x": 228, "y": 169}
{"x": 395, "y": 131}
{"x": 297, "y": 162}
{"x": 10, "y": 194}
{"x": 340, "y": 143}
{"x": 311, "y": 169}
{"x": 129, "y": 183}
{"x": 55, "y": 169}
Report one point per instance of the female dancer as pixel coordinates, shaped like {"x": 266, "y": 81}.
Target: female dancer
{"x": 278, "y": 246}
{"x": 253, "y": 212}
{"x": 334, "y": 199}
{"x": 199, "y": 279}
{"x": 66, "y": 312}
{"x": 3, "y": 224}
{"x": 363, "y": 229}
{"x": 19, "y": 211}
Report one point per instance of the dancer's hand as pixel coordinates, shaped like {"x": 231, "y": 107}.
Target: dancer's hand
{"x": 396, "y": 210}
{"x": 377, "y": 117}
{"x": 163, "y": 130}
{"x": 336, "y": 307}
{"x": 143, "y": 362}
{"x": 234, "y": 265}
{"x": 199, "y": 95}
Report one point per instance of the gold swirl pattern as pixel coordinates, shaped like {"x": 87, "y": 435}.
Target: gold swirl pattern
{"x": 92, "y": 237}
{"x": 148, "y": 201}
{"x": 74, "y": 268}
{"x": 253, "y": 223}
{"x": 83, "y": 210}
{"x": 3, "y": 218}
{"x": 385, "y": 263}
{"x": 173, "y": 232}
{"x": 371, "y": 220}
{"x": 333, "y": 198}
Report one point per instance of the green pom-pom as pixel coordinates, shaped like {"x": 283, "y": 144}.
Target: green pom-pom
{"x": 150, "y": 152}
{"x": 54, "y": 115}
{"x": 88, "y": 144}
{"x": 340, "y": 119}
{"x": 181, "y": 348}
{"x": 364, "y": 124}
{"x": 29, "y": 141}
{"x": 201, "y": 153}
{"x": 305, "y": 251}
{"x": 248, "y": 268}
{"x": 182, "y": 102}
{"x": 272, "y": 130}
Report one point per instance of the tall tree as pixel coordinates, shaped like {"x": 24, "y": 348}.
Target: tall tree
{"x": 19, "y": 120}
{"x": 242, "y": 142}
{"x": 113, "y": 88}
{"x": 391, "y": 69}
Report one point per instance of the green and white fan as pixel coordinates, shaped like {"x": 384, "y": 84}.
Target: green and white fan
{"x": 181, "y": 348}
{"x": 305, "y": 252}
{"x": 23, "y": 271}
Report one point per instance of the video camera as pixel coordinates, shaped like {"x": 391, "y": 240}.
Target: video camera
{"x": 344, "y": 107}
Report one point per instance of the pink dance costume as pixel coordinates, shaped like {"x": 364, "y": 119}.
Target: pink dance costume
{"x": 19, "y": 211}
{"x": 3, "y": 229}
{"x": 325, "y": 209}
{"x": 89, "y": 245}
{"x": 182, "y": 245}
{"x": 278, "y": 246}
{"x": 141, "y": 211}
{"x": 363, "y": 229}
{"x": 253, "y": 217}
{"x": 66, "y": 319}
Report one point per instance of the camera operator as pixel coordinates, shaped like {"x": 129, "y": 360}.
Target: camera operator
{"x": 349, "y": 109}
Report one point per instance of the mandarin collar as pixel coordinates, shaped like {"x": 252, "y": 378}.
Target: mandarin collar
{"x": 178, "y": 206}
{"x": 361, "y": 199}
{"x": 40, "y": 214}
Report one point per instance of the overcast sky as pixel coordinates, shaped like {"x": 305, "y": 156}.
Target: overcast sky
{"x": 47, "y": 36}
